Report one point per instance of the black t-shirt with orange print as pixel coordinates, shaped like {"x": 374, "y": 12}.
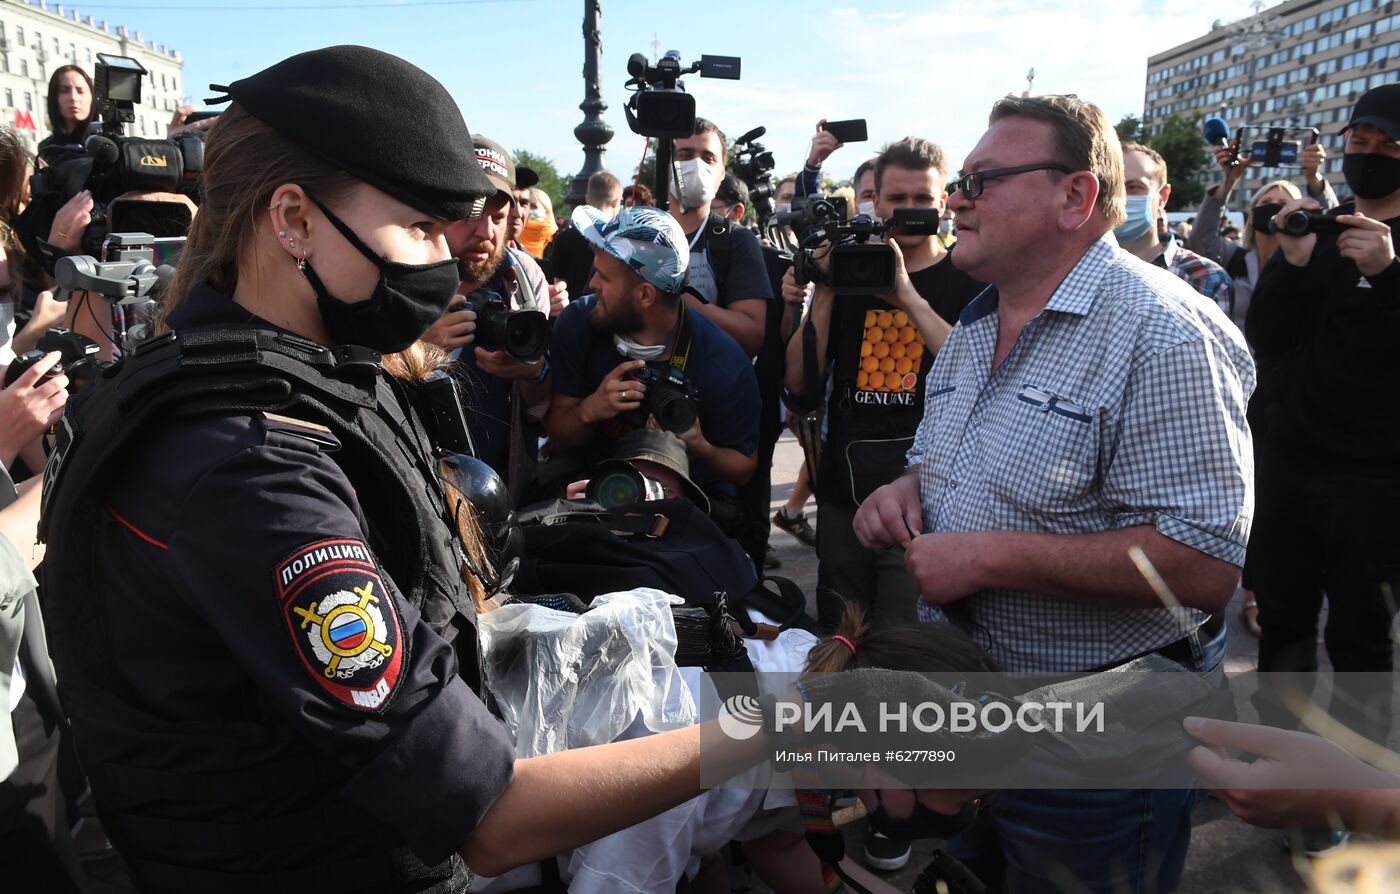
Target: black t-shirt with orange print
{"x": 878, "y": 364}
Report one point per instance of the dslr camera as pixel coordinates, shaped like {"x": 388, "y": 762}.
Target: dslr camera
{"x": 78, "y": 359}
{"x": 109, "y": 164}
{"x": 670, "y": 397}
{"x": 523, "y": 334}
{"x": 622, "y": 485}
{"x": 856, "y": 266}
{"x": 1297, "y": 223}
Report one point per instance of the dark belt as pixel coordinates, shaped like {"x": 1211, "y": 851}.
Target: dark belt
{"x": 1181, "y": 650}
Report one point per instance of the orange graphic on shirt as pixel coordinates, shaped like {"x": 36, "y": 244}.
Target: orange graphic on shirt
{"x": 890, "y": 353}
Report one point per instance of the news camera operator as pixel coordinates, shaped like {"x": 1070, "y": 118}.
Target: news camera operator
{"x": 865, "y": 413}
{"x": 727, "y": 272}
{"x": 506, "y": 374}
{"x": 634, "y": 354}
{"x": 1323, "y": 323}
{"x": 203, "y": 563}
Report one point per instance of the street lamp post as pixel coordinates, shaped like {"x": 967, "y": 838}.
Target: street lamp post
{"x": 594, "y": 132}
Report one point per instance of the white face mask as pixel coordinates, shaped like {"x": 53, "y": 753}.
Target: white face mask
{"x": 866, "y": 208}
{"x": 629, "y": 348}
{"x": 698, "y": 182}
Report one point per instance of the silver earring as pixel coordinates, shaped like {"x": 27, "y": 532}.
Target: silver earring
{"x": 281, "y": 234}
{"x": 291, "y": 243}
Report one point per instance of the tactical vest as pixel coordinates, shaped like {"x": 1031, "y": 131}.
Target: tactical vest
{"x": 316, "y": 841}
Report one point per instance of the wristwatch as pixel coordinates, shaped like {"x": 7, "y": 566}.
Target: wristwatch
{"x": 543, "y": 374}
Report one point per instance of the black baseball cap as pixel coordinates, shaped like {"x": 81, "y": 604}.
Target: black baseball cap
{"x": 378, "y": 118}
{"x": 1380, "y": 108}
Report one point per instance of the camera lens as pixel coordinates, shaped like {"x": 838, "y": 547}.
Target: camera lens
{"x": 622, "y": 487}
{"x": 673, "y": 410}
{"x": 526, "y": 335}
{"x": 1296, "y": 223}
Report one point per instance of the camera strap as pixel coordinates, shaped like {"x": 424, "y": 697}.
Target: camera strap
{"x": 681, "y": 344}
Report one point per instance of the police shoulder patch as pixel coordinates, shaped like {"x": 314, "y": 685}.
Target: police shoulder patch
{"x": 343, "y": 622}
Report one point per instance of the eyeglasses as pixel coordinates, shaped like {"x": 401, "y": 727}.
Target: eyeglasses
{"x": 972, "y": 184}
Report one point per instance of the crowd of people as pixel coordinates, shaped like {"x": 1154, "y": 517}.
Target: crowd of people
{"x": 391, "y": 395}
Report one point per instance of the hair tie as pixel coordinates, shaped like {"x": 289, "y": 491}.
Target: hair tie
{"x": 850, "y": 645}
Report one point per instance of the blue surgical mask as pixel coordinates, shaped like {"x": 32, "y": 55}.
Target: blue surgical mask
{"x": 1139, "y": 221}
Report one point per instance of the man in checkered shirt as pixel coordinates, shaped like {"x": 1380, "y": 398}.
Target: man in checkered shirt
{"x": 1086, "y": 409}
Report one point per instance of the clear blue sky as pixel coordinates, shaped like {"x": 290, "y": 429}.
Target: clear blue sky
{"x": 930, "y": 68}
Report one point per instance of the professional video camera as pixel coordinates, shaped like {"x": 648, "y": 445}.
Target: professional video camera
{"x": 753, "y": 164}
{"x": 109, "y": 164}
{"x": 855, "y": 266}
{"x": 523, "y": 334}
{"x": 669, "y": 397}
{"x": 78, "y": 359}
{"x": 661, "y": 109}
{"x": 1297, "y": 223}
{"x": 128, "y": 275}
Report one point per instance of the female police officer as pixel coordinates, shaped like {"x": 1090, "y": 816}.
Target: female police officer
{"x": 251, "y": 576}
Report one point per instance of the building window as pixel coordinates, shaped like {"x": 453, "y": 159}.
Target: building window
{"x": 19, "y": 35}
{"x": 28, "y": 101}
{"x": 9, "y": 98}
{"x": 24, "y": 68}
{"x": 89, "y": 55}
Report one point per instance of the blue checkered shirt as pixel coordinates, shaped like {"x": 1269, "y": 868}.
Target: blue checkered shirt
{"x": 1121, "y": 404}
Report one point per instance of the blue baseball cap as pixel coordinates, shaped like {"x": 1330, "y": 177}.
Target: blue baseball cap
{"x": 646, "y": 239}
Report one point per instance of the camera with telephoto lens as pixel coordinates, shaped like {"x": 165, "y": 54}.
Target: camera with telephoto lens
{"x": 108, "y": 163}
{"x": 856, "y": 266}
{"x": 1297, "y": 223}
{"x": 78, "y": 359}
{"x": 523, "y": 334}
{"x": 669, "y": 397}
{"x": 622, "y": 485}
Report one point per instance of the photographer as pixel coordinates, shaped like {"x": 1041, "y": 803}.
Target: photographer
{"x": 70, "y": 108}
{"x": 1324, "y": 324}
{"x": 636, "y": 322}
{"x": 727, "y": 272}
{"x": 508, "y": 396}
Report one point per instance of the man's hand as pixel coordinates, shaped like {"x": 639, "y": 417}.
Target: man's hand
{"x": 694, "y": 438}
{"x": 1313, "y": 157}
{"x": 793, "y": 293}
{"x": 70, "y": 222}
{"x": 1367, "y": 242}
{"x": 823, "y": 144}
{"x": 904, "y": 295}
{"x": 892, "y": 515}
{"x": 455, "y": 328}
{"x": 503, "y": 366}
{"x": 558, "y": 298}
{"x": 1224, "y": 156}
{"x": 944, "y": 566}
{"x": 26, "y": 412}
{"x": 177, "y": 121}
{"x": 1297, "y": 250}
{"x": 1299, "y": 780}
{"x": 615, "y": 395}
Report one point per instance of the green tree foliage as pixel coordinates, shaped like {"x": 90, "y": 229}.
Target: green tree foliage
{"x": 554, "y": 184}
{"x": 1179, "y": 141}
{"x": 1129, "y": 129}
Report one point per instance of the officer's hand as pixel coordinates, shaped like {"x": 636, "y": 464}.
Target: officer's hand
{"x": 1299, "y": 780}
{"x": 1367, "y": 242}
{"x": 823, "y": 144}
{"x": 891, "y": 516}
{"x": 1297, "y": 250}
{"x": 503, "y": 366}
{"x": 26, "y": 412}
{"x": 793, "y": 293}
{"x": 558, "y": 298}
{"x": 615, "y": 395}
{"x": 70, "y": 222}
{"x": 944, "y": 566}
{"x": 1313, "y": 157}
{"x": 455, "y": 328}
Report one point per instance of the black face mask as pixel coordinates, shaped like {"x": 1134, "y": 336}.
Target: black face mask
{"x": 406, "y": 301}
{"x": 1370, "y": 174}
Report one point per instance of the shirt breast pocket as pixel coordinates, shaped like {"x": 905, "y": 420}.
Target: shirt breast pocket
{"x": 1052, "y": 464}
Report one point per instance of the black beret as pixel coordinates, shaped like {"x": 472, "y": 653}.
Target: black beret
{"x": 377, "y": 117}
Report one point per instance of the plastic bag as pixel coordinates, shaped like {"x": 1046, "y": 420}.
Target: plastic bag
{"x": 565, "y": 680}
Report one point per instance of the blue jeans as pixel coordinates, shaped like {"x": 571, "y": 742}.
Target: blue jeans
{"x": 1086, "y": 840}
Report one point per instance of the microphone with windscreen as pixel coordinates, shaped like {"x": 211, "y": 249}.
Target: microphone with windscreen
{"x": 1216, "y": 132}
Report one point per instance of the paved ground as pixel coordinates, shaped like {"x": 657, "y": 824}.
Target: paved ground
{"x": 1226, "y": 855}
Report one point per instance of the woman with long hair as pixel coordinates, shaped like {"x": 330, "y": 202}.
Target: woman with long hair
{"x": 70, "y": 107}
